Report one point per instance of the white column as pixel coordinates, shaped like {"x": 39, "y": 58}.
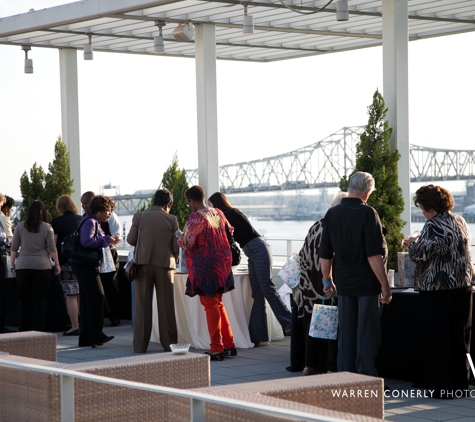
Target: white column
{"x": 396, "y": 91}
{"x": 68, "y": 67}
{"x": 205, "y": 54}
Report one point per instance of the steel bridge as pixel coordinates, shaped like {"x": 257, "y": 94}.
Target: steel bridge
{"x": 319, "y": 165}
{"x": 324, "y": 163}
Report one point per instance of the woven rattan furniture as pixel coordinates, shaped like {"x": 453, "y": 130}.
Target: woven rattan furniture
{"x": 220, "y": 413}
{"x": 31, "y": 344}
{"x": 32, "y": 396}
{"x": 343, "y": 392}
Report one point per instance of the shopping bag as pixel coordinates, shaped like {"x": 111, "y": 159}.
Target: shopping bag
{"x": 324, "y": 322}
{"x": 406, "y": 269}
{"x": 182, "y": 262}
{"x": 290, "y": 272}
{"x": 107, "y": 264}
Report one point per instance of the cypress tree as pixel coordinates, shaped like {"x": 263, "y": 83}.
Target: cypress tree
{"x": 174, "y": 179}
{"x": 47, "y": 187}
{"x": 57, "y": 180}
{"x": 32, "y": 188}
{"x": 373, "y": 155}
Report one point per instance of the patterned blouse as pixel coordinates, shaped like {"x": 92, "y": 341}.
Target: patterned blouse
{"x": 208, "y": 255}
{"x": 310, "y": 289}
{"x": 442, "y": 254}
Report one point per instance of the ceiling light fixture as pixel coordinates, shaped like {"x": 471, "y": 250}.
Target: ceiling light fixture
{"x": 342, "y": 10}
{"x": 184, "y": 32}
{"x": 248, "y": 23}
{"x": 88, "y": 54}
{"x": 158, "y": 45}
{"x": 28, "y": 62}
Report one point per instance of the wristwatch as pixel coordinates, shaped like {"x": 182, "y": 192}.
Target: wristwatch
{"x": 11, "y": 266}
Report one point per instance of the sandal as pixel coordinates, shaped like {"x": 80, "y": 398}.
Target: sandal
{"x": 215, "y": 355}
{"x": 230, "y": 352}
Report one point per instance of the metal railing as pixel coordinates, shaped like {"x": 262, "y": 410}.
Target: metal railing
{"x": 197, "y": 400}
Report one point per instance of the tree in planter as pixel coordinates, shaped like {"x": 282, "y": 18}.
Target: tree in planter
{"x": 374, "y": 156}
{"x": 174, "y": 180}
{"x": 57, "y": 180}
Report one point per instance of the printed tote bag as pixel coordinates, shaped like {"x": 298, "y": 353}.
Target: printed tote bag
{"x": 290, "y": 272}
{"x": 324, "y": 323}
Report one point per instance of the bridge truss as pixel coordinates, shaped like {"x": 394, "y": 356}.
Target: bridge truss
{"x": 324, "y": 163}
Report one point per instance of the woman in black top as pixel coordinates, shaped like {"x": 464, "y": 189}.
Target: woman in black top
{"x": 63, "y": 226}
{"x": 260, "y": 271}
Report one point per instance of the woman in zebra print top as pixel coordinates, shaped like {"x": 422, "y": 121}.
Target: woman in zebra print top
{"x": 320, "y": 354}
{"x": 444, "y": 274}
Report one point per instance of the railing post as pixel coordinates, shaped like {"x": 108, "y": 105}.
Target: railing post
{"x": 67, "y": 398}
{"x": 289, "y": 248}
{"x": 197, "y": 410}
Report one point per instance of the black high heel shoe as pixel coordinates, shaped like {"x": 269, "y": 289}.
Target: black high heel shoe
{"x": 104, "y": 340}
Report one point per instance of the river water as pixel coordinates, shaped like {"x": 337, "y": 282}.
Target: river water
{"x": 278, "y": 232}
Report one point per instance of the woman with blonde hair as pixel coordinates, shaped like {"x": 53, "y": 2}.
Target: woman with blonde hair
{"x": 63, "y": 226}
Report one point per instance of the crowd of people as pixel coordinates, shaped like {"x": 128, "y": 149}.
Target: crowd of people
{"x": 343, "y": 258}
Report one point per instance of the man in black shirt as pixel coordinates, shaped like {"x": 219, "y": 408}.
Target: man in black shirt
{"x": 352, "y": 238}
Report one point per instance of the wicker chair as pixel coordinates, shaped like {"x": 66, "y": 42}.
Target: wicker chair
{"x": 31, "y": 344}
{"x": 34, "y": 396}
{"x": 342, "y": 392}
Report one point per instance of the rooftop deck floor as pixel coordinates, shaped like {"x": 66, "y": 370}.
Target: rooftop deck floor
{"x": 267, "y": 363}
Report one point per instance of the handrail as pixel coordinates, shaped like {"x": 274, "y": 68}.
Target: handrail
{"x": 197, "y": 400}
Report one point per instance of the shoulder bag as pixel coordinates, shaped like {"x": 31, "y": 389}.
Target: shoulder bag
{"x": 72, "y": 248}
{"x": 130, "y": 268}
{"x": 235, "y": 251}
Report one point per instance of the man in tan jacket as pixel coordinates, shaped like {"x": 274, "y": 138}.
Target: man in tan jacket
{"x": 156, "y": 252}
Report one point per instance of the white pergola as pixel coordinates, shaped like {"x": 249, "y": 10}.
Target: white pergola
{"x": 280, "y": 33}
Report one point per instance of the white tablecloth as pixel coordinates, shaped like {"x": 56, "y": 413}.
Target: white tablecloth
{"x": 191, "y": 318}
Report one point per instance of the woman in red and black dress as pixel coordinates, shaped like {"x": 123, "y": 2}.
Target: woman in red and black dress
{"x": 209, "y": 259}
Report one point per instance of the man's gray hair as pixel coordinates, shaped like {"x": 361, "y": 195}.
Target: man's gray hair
{"x": 360, "y": 183}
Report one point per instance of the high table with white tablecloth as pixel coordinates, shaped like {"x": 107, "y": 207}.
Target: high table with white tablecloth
{"x": 191, "y": 317}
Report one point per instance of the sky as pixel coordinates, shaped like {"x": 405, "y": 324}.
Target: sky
{"x": 135, "y": 111}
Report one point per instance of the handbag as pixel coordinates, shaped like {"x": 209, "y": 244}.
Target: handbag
{"x": 130, "y": 268}
{"x": 107, "y": 264}
{"x": 324, "y": 322}
{"x": 235, "y": 251}
{"x": 290, "y": 272}
{"x": 72, "y": 248}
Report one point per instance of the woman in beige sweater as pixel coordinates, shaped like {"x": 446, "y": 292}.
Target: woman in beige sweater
{"x": 35, "y": 237}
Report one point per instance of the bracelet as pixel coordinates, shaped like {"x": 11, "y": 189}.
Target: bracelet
{"x": 11, "y": 267}
{"x": 327, "y": 283}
